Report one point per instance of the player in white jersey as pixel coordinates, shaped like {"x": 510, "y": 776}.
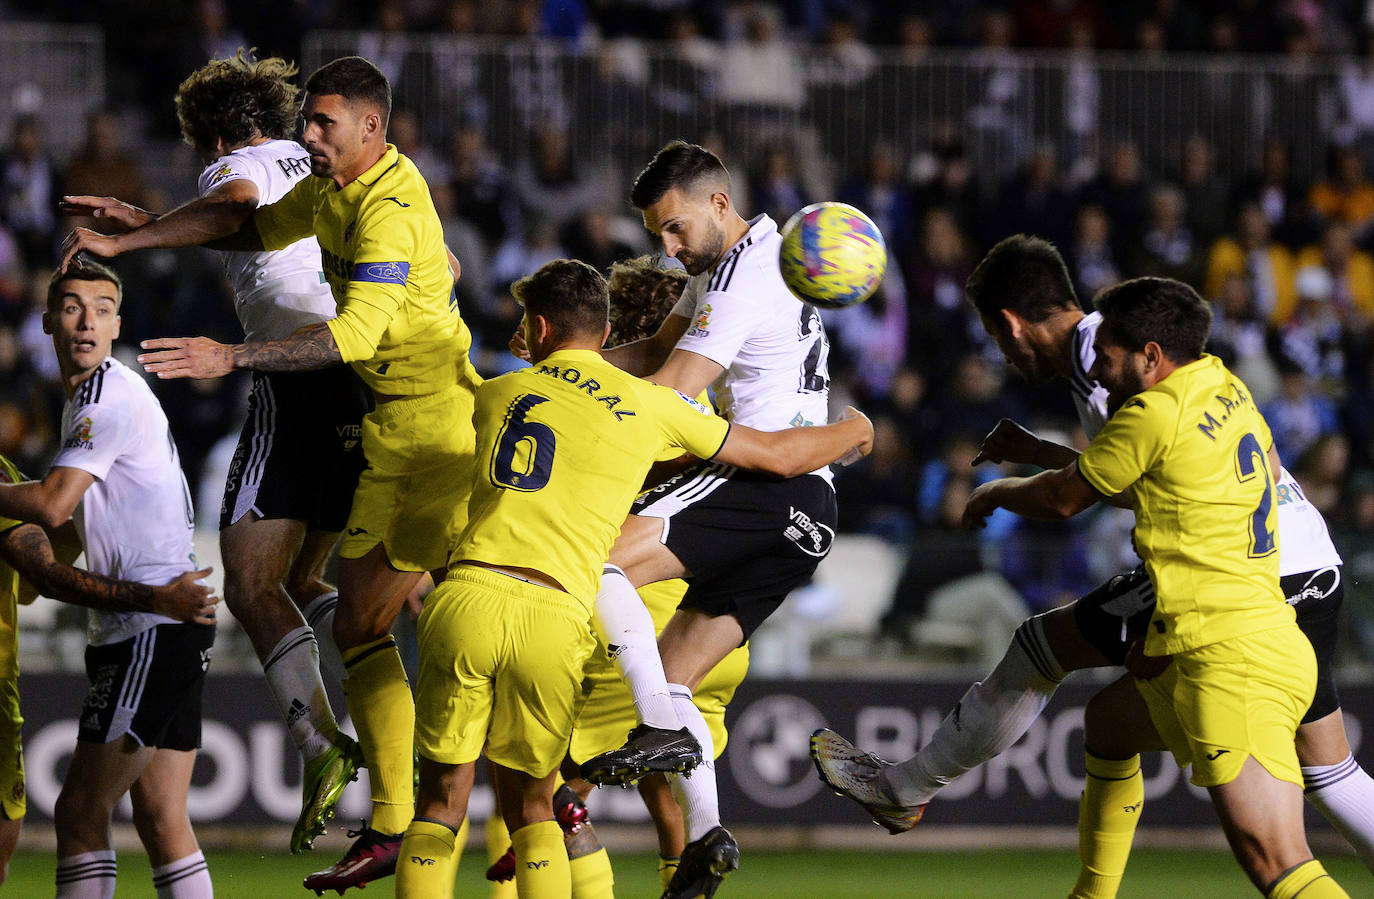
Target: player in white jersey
{"x": 293, "y": 474}
{"x": 140, "y": 722}
{"x": 1026, "y": 301}
{"x": 742, "y": 541}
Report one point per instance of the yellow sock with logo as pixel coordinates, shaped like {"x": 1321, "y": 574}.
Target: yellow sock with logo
{"x": 1308, "y": 880}
{"x": 1113, "y": 796}
{"x": 592, "y": 877}
{"x": 384, "y": 714}
{"x": 541, "y": 862}
{"x": 498, "y": 841}
{"x": 427, "y": 861}
{"x": 667, "y": 867}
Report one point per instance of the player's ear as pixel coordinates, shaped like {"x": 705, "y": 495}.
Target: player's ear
{"x": 47, "y": 322}
{"x": 117, "y": 323}
{"x": 720, "y": 202}
{"x": 1014, "y": 323}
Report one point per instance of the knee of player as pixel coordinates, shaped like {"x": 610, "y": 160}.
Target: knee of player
{"x": 1102, "y": 732}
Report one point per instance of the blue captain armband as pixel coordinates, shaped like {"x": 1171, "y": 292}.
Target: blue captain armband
{"x": 381, "y": 272}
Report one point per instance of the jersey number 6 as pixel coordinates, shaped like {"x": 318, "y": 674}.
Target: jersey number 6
{"x": 538, "y": 455}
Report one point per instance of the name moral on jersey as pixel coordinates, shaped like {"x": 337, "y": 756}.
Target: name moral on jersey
{"x": 590, "y": 385}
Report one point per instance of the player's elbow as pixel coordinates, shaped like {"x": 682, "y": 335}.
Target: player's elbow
{"x": 51, "y": 516}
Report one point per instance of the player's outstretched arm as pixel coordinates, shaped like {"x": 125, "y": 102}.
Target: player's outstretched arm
{"x": 49, "y": 502}
{"x": 27, "y": 549}
{"x": 792, "y": 452}
{"x": 654, "y": 358}
{"x": 309, "y": 348}
{"x": 221, "y": 219}
{"x": 1009, "y": 442}
{"x": 1048, "y": 496}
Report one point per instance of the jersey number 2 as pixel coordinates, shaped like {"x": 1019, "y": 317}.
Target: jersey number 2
{"x": 1251, "y": 461}
{"x": 538, "y": 456}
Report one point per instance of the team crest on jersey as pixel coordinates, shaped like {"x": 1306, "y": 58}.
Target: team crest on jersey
{"x": 382, "y": 272}
{"x": 701, "y": 327}
{"x": 694, "y": 404}
{"x": 81, "y": 437}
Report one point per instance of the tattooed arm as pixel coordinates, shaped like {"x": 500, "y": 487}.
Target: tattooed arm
{"x": 27, "y": 550}
{"x": 309, "y": 348}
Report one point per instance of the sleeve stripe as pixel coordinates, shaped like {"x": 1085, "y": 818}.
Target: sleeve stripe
{"x": 728, "y": 426}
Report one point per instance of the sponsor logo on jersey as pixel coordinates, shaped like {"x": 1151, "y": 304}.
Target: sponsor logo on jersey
{"x": 349, "y": 435}
{"x": 701, "y": 327}
{"x": 381, "y": 272}
{"x": 397, "y": 201}
{"x": 221, "y": 174}
{"x": 81, "y": 437}
{"x": 811, "y": 537}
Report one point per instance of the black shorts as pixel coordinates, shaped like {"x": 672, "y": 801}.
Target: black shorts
{"x": 1316, "y": 596}
{"x": 148, "y": 687}
{"x": 300, "y": 452}
{"x": 748, "y": 540}
{"x": 1115, "y": 615}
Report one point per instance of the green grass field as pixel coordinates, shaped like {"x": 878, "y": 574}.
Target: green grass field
{"x": 834, "y": 875}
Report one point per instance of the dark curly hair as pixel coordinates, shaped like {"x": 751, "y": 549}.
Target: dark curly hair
{"x": 642, "y": 295}
{"x": 237, "y": 100}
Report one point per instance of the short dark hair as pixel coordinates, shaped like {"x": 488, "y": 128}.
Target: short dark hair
{"x": 1024, "y": 274}
{"x": 354, "y": 79}
{"x": 677, "y": 164}
{"x": 86, "y": 271}
{"x": 570, "y": 294}
{"x": 642, "y": 293}
{"x": 1166, "y": 311}
{"x": 237, "y": 100}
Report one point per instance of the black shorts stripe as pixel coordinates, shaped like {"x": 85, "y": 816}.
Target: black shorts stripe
{"x": 131, "y": 692}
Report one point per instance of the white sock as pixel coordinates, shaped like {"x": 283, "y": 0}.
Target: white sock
{"x": 185, "y": 878}
{"x": 628, "y": 629}
{"x": 293, "y": 673}
{"x": 991, "y": 717}
{"x": 1344, "y": 794}
{"x": 319, "y": 614}
{"x": 696, "y": 792}
{"x": 90, "y": 875}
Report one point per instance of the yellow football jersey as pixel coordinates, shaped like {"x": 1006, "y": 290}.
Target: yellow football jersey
{"x": 562, "y": 450}
{"x": 9, "y": 589}
{"x": 383, "y": 254}
{"x": 1194, "y": 447}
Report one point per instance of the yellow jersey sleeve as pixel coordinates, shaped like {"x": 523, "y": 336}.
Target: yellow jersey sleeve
{"x": 688, "y": 424}
{"x": 291, "y": 218}
{"x": 1135, "y": 439}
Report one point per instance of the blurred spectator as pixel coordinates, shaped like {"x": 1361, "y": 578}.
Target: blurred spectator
{"x": 1120, "y": 192}
{"x": 762, "y": 71}
{"x": 997, "y": 120}
{"x": 1351, "y": 271}
{"x": 880, "y": 490}
{"x": 842, "y": 59}
{"x": 1322, "y": 472}
{"x": 915, "y": 37}
{"x": 879, "y": 192}
{"x": 1346, "y": 195}
{"x": 1278, "y": 194}
{"x": 870, "y": 338}
{"x": 1299, "y": 416}
{"x": 1357, "y": 92}
{"x": 517, "y": 257}
{"x": 1091, "y": 259}
{"x": 952, "y": 187}
{"x": 1082, "y": 89}
{"x": 598, "y": 239}
{"x": 1312, "y": 339}
{"x": 1206, "y": 191}
{"x": 1353, "y": 534}
{"x": 403, "y": 130}
{"x": 1166, "y": 248}
{"x": 103, "y": 169}
{"x": 384, "y": 42}
{"x": 482, "y": 190}
{"x": 776, "y": 185}
{"x": 28, "y": 193}
{"x": 1048, "y": 23}
{"x": 549, "y": 182}
{"x": 684, "y": 75}
{"x": 466, "y": 243}
{"x": 1031, "y": 201}
{"x": 1252, "y": 254}
{"x": 973, "y": 400}
{"x": 939, "y": 323}
{"x": 29, "y": 430}
{"x": 1240, "y": 337}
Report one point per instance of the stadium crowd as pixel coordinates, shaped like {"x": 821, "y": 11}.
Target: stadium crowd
{"x": 1285, "y": 261}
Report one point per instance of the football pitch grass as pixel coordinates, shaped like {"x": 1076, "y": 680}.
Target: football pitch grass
{"x": 763, "y": 875}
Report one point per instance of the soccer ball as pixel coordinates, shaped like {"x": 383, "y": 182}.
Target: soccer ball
{"x": 832, "y": 255}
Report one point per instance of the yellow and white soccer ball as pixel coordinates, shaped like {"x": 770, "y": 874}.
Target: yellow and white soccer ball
{"x": 832, "y": 255}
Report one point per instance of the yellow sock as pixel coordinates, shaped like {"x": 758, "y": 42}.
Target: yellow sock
{"x": 541, "y": 862}
{"x": 1309, "y": 880}
{"x": 592, "y": 877}
{"x": 1107, "y": 815}
{"x": 667, "y": 867}
{"x": 498, "y": 841}
{"x": 426, "y": 864}
{"x": 384, "y": 713}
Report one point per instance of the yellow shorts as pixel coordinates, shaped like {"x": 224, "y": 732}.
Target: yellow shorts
{"x": 607, "y": 712}
{"x": 413, "y": 496}
{"x": 11, "y": 752}
{"x": 1243, "y": 696}
{"x": 500, "y": 663}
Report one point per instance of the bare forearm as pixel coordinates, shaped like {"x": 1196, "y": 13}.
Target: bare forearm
{"x": 222, "y": 224}
{"x": 27, "y": 550}
{"x": 638, "y": 357}
{"x": 309, "y": 348}
{"x": 1049, "y": 454}
{"x": 29, "y": 501}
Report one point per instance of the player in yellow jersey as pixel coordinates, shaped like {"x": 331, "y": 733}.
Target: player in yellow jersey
{"x": 29, "y": 566}
{"x": 1187, "y": 441}
{"x": 398, "y": 325}
{"x": 562, "y": 449}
